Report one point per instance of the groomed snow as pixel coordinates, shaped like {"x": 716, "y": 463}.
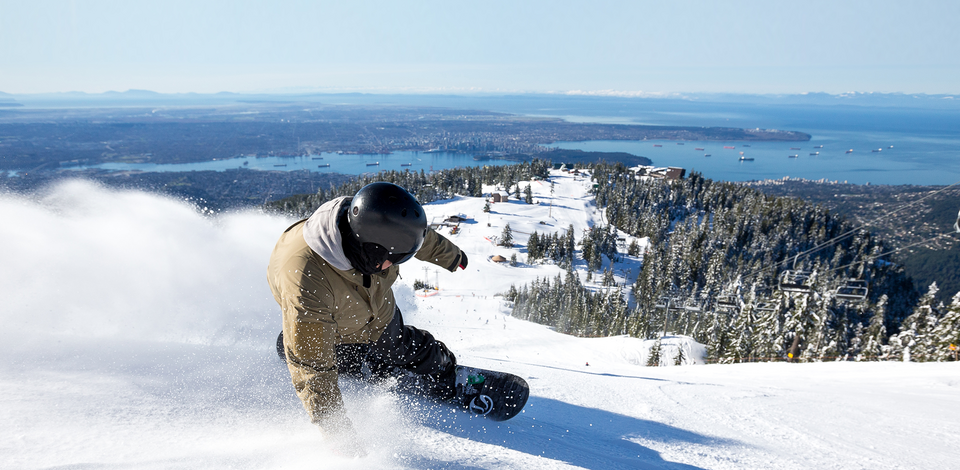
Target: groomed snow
{"x": 140, "y": 334}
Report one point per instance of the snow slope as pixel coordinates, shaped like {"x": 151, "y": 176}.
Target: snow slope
{"x": 140, "y": 334}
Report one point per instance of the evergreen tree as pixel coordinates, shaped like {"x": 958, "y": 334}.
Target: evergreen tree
{"x": 634, "y": 248}
{"x": 653, "y": 359}
{"x": 506, "y": 237}
{"x": 528, "y": 195}
{"x": 918, "y": 338}
{"x": 947, "y": 332}
{"x": 872, "y": 348}
{"x": 533, "y": 248}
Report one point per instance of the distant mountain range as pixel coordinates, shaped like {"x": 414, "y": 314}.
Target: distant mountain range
{"x": 147, "y": 98}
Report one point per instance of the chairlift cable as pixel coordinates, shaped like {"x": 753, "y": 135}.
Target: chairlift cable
{"x": 850, "y": 232}
{"x": 873, "y": 257}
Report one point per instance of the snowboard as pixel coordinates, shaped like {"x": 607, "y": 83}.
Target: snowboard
{"x": 492, "y": 394}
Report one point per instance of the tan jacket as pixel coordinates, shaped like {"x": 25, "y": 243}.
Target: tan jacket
{"x": 324, "y": 303}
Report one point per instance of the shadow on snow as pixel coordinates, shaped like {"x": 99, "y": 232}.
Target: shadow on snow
{"x": 576, "y": 435}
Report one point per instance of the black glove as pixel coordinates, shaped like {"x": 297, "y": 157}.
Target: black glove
{"x": 463, "y": 260}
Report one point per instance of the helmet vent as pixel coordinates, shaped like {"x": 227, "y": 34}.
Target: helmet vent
{"x": 356, "y": 210}
{"x": 403, "y": 213}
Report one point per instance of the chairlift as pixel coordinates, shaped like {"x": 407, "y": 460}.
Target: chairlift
{"x": 765, "y": 307}
{"x": 795, "y": 281}
{"x": 728, "y": 301}
{"x": 853, "y": 290}
{"x": 665, "y": 301}
{"x": 674, "y": 303}
{"x": 691, "y": 308}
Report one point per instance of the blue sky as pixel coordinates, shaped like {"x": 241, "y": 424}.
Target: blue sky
{"x": 623, "y": 47}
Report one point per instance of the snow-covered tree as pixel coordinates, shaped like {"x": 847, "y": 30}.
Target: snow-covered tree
{"x": 874, "y": 336}
{"x": 681, "y": 357}
{"x": 653, "y": 359}
{"x": 506, "y": 237}
{"x": 947, "y": 332}
{"x": 916, "y": 334}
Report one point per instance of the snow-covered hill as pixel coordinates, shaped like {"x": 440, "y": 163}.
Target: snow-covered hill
{"x": 140, "y": 334}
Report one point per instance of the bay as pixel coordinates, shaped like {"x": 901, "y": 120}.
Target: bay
{"x": 350, "y": 164}
{"x": 911, "y": 160}
{"x": 926, "y": 141}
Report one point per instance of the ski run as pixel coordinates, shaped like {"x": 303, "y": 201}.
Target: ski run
{"x": 139, "y": 333}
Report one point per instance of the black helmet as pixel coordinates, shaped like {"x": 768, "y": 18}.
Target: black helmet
{"x": 386, "y": 215}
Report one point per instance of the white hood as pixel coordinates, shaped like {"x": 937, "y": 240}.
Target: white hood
{"x": 322, "y": 235}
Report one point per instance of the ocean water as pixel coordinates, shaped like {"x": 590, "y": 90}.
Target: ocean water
{"x": 911, "y": 160}
{"x": 925, "y": 142}
{"x": 324, "y": 163}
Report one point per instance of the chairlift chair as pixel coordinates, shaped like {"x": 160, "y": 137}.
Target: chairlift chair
{"x": 795, "y": 281}
{"x": 674, "y": 303}
{"x": 853, "y": 290}
{"x": 765, "y": 307}
{"x": 728, "y": 301}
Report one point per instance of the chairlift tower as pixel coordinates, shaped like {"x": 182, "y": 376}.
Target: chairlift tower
{"x": 671, "y": 303}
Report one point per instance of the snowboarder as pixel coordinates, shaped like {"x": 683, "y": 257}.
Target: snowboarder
{"x": 332, "y": 275}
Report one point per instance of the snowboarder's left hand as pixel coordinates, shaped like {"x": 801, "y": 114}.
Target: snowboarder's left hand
{"x": 463, "y": 260}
